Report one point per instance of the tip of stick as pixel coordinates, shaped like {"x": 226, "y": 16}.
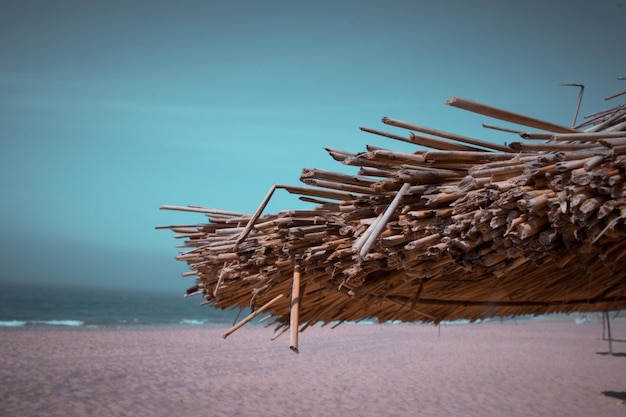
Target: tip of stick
{"x": 294, "y": 349}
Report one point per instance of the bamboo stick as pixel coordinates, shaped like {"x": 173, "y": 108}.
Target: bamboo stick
{"x": 295, "y": 310}
{"x": 255, "y": 217}
{"x": 196, "y": 209}
{"x": 341, "y": 186}
{"x": 587, "y": 136}
{"x": 317, "y": 192}
{"x": 505, "y": 115}
{"x": 360, "y": 241}
{"x": 594, "y": 162}
{"x": 385, "y": 134}
{"x": 546, "y": 147}
{"x": 618, "y": 127}
{"x": 609, "y": 121}
{"x": 502, "y": 129}
{"x": 339, "y": 155}
{"x": 382, "y": 222}
{"x": 610, "y": 143}
{"x": 536, "y": 135}
{"x": 394, "y": 157}
{"x": 464, "y": 156}
{"x": 377, "y": 172}
{"x": 434, "y": 143}
{"x": 337, "y": 177}
{"x": 379, "y": 163}
{"x": 253, "y": 315}
{"x": 612, "y": 96}
{"x": 509, "y": 171}
{"x": 619, "y": 150}
{"x": 447, "y": 135}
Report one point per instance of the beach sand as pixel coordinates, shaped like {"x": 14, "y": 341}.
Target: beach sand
{"x": 532, "y": 368}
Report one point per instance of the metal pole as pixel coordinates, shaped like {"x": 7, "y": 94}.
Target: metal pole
{"x": 580, "y": 99}
{"x": 608, "y": 328}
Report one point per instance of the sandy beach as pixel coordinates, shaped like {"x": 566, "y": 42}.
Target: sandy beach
{"x": 538, "y": 368}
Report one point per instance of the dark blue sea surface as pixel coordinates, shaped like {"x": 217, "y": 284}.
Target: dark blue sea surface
{"x": 39, "y": 306}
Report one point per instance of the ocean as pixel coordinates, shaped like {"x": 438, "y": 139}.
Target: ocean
{"x": 41, "y": 307}
{"x": 38, "y": 306}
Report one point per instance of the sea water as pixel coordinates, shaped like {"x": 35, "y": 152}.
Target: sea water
{"x": 41, "y": 306}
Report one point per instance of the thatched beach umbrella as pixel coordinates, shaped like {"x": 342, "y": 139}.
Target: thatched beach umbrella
{"x": 461, "y": 228}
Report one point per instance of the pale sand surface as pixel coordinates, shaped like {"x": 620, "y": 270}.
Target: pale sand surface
{"x": 544, "y": 368}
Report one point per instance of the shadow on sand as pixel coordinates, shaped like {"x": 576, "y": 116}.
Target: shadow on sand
{"x": 619, "y": 354}
{"x": 620, "y": 395}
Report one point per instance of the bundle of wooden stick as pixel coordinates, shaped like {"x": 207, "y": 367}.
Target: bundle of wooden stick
{"x": 459, "y": 229}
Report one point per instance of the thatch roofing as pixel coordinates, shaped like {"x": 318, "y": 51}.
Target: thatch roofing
{"x": 460, "y": 228}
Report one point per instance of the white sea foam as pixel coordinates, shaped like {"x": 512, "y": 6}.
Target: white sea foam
{"x": 70, "y": 323}
{"x": 192, "y": 322}
{"x": 12, "y": 323}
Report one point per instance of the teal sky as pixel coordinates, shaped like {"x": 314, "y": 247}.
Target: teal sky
{"x": 110, "y": 109}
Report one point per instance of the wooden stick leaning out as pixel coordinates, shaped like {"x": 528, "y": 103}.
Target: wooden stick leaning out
{"x": 341, "y": 186}
{"x": 208, "y": 211}
{"x": 382, "y": 221}
{"x": 253, "y": 315}
{"x": 435, "y": 143}
{"x": 507, "y": 115}
{"x": 255, "y": 217}
{"x": 336, "y": 177}
{"x": 360, "y": 241}
{"x": 385, "y": 134}
{"x": 393, "y": 157}
{"x": 447, "y": 135}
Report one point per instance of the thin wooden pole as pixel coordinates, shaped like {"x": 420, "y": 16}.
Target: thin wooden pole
{"x": 615, "y": 95}
{"x": 255, "y": 217}
{"x": 382, "y": 221}
{"x": 505, "y": 115}
{"x": 295, "y": 309}
{"x": 360, "y": 241}
{"x": 253, "y": 315}
{"x": 385, "y": 134}
{"x": 447, "y": 135}
{"x": 195, "y": 209}
{"x": 587, "y": 136}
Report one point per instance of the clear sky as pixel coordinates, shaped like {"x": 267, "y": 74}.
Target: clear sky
{"x": 109, "y": 109}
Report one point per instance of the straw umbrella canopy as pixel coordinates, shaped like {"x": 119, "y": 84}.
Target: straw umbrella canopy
{"x": 460, "y": 228}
